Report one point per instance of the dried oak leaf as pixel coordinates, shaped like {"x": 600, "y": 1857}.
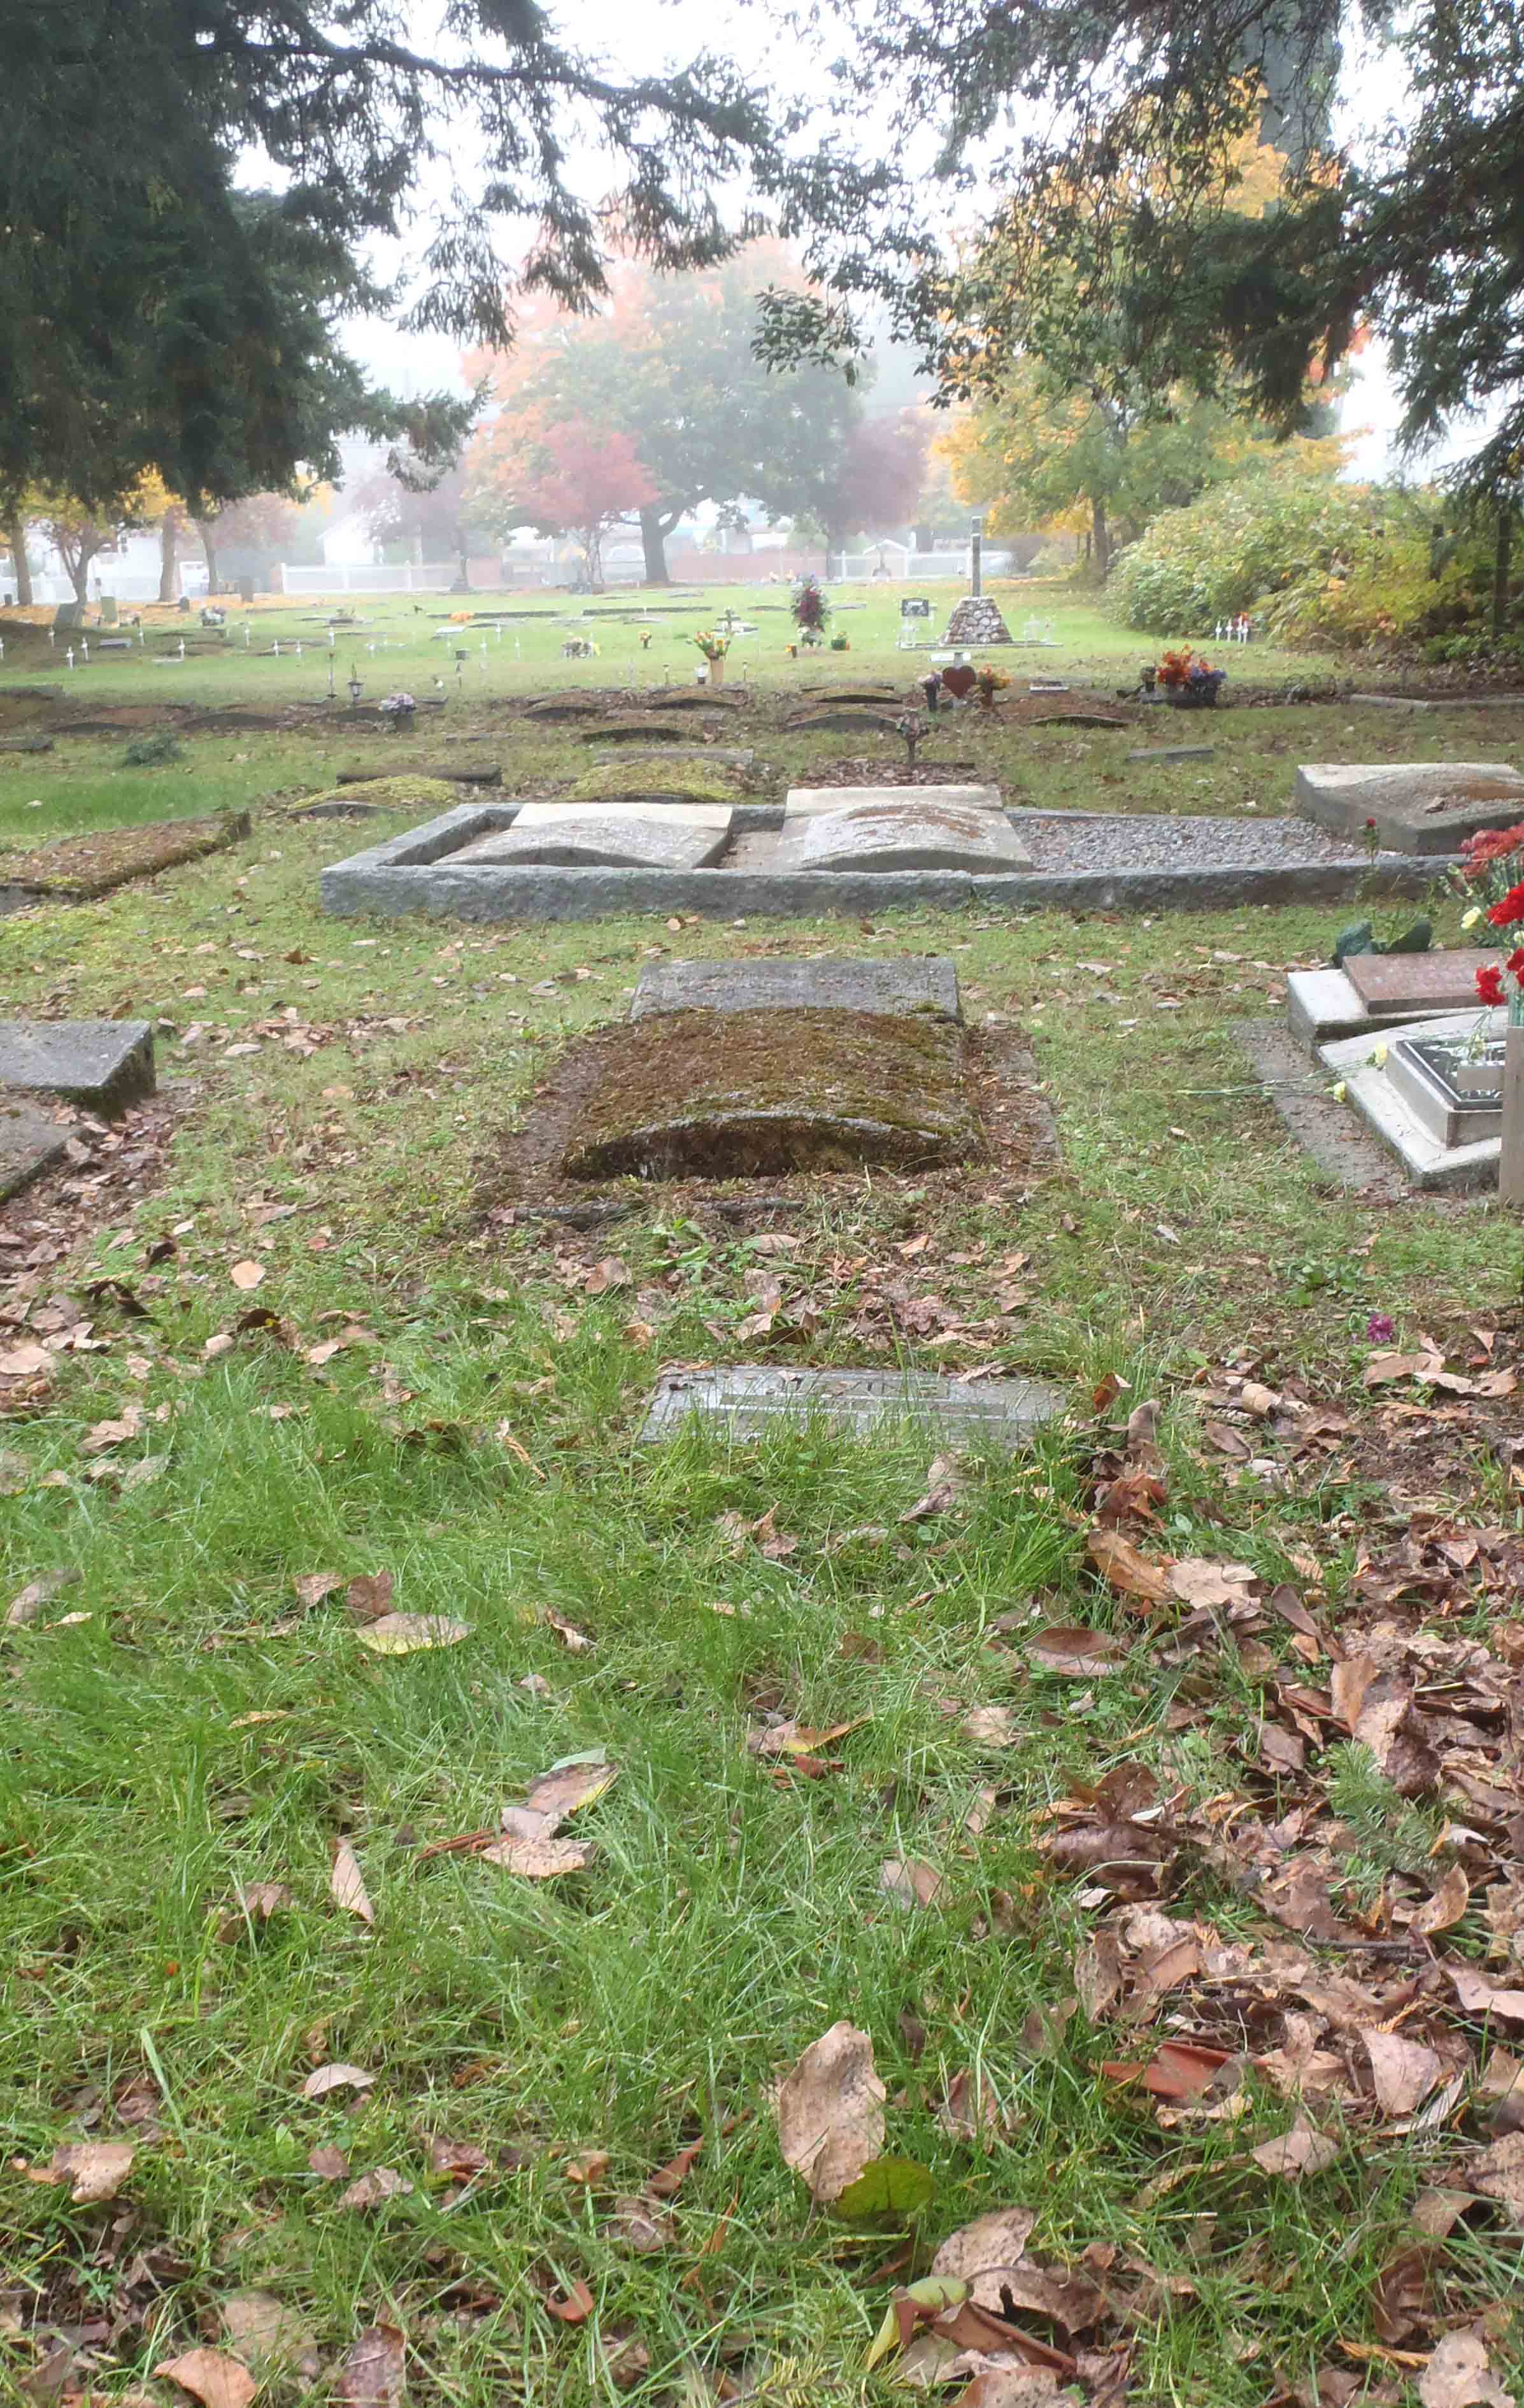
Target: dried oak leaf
{"x": 211, "y": 2377}
{"x": 831, "y": 2111}
{"x": 96, "y": 2170}
{"x": 374, "y": 2374}
{"x": 1128, "y": 1570}
{"x": 1300, "y": 2151}
{"x": 1459, "y": 2375}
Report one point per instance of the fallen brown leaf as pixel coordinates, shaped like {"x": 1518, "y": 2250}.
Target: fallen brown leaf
{"x": 336, "y": 2077}
{"x": 1300, "y": 2151}
{"x": 982, "y": 2253}
{"x": 313, "y": 1587}
{"x": 271, "y": 2338}
{"x": 634, "y": 2224}
{"x": 1404, "y": 2071}
{"x": 28, "y": 1602}
{"x": 1120, "y": 1562}
{"x": 375, "y": 2370}
{"x": 368, "y": 1596}
{"x": 575, "y": 2308}
{"x": 247, "y": 1275}
{"x": 535, "y": 1859}
{"x": 831, "y": 2111}
{"x": 211, "y": 2377}
{"x": 383, "y": 2183}
{"x": 96, "y": 2170}
{"x": 347, "y": 1884}
{"x": 910, "y": 1881}
{"x": 1459, "y": 2375}
{"x": 1483, "y": 1996}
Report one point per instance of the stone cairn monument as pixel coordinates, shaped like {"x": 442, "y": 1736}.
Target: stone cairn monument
{"x": 976, "y": 621}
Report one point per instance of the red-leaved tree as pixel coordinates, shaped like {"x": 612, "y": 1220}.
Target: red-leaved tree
{"x": 562, "y": 478}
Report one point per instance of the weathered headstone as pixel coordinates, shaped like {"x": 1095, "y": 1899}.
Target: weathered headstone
{"x": 1418, "y": 807}
{"x": 908, "y": 984}
{"x": 103, "y": 1063}
{"x": 607, "y": 835}
{"x": 753, "y": 1400}
{"x": 916, "y": 833}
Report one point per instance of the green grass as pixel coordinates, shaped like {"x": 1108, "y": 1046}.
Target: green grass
{"x": 731, "y": 1915}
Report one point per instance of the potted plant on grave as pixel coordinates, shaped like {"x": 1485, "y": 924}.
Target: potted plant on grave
{"x": 810, "y": 609}
{"x": 990, "y": 681}
{"x": 1189, "y": 682}
{"x": 840, "y": 643}
{"x": 714, "y": 647}
{"x": 397, "y": 710}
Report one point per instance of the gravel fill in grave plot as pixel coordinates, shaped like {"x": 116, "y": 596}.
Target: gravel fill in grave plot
{"x": 760, "y": 1093}
{"x": 1069, "y": 841}
{"x": 79, "y": 867}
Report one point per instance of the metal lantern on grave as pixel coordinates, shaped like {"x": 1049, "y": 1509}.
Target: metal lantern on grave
{"x": 356, "y": 687}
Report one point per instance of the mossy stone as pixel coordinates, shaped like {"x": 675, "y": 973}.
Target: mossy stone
{"x": 638, "y": 781}
{"x": 752, "y": 1095}
{"x": 399, "y": 794}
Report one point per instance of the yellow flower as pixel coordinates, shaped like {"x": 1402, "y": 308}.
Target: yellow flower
{"x": 1379, "y": 1057}
{"x": 1469, "y": 919}
{"x": 1339, "y": 1093}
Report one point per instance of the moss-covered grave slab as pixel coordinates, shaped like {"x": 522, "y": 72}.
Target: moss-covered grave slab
{"x": 78, "y": 867}
{"x": 759, "y": 1094}
{"x": 646, "y": 778}
{"x": 1410, "y": 807}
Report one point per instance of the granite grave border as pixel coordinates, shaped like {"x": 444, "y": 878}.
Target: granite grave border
{"x": 413, "y": 872}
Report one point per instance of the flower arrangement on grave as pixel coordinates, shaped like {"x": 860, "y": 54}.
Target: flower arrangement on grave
{"x": 990, "y": 682}
{"x": 931, "y": 688}
{"x": 1189, "y": 682}
{"x": 398, "y": 708}
{"x": 713, "y": 645}
{"x": 1503, "y": 982}
{"x": 840, "y": 643}
{"x": 460, "y": 619}
{"x": 1489, "y": 864}
{"x": 810, "y": 609}
{"x": 646, "y": 634}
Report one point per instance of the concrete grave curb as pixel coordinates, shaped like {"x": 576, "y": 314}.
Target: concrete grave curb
{"x": 414, "y": 872}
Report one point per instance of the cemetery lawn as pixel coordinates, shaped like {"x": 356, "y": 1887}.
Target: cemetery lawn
{"x": 287, "y": 1337}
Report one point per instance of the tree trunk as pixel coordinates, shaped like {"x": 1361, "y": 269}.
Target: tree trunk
{"x": 79, "y": 569}
{"x": 169, "y": 559}
{"x": 207, "y": 530}
{"x": 1502, "y": 563}
{"x": 1102, "y": 536}
{"x": 655, "y": 526}
{"x": 21, "y": 566}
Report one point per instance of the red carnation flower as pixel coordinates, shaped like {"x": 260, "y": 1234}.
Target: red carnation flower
{"x": 1515, "y": 964}
{"x": 1509, "y": 914}
{"x": 1489, "y": 983}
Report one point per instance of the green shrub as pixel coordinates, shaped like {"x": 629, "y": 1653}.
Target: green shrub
{"x": 1307, "y": 558}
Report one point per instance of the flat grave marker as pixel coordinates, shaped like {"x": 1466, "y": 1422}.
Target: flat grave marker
{"x": 30, "y": 1143}
{"x": 753, "y": 1400}
{"x": 927, "y": 986}
{"x": 1439, "y": 981}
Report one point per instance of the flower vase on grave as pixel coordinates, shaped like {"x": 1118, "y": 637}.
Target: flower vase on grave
{"x": 716, "y": 670}
{"x": 1511, "y": 1150}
